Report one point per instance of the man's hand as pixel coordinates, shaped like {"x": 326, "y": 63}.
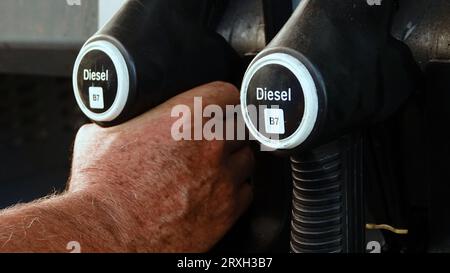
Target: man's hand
{"x": 150, "y": 193}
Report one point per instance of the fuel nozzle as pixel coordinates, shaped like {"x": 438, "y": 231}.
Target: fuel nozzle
{"x": 149, "y": 52}
{"x": 287, "y": 91}
{"x": 331, "y": 71}
{"x": 333, "y": 67}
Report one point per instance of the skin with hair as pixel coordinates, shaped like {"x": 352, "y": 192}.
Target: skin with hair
{"x": 135, "y": 189}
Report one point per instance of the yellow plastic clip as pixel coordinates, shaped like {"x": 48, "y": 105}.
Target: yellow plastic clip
{"x": 387, "y": 227}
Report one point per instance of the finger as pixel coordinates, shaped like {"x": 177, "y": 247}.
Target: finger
{"x": 216, "y": 93}
{"x": 193, "y": 105}
{"x": 235, "y": 139}
{"x": 241, "y": 164}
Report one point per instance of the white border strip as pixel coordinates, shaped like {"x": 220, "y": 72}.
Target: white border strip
{"x": 107, "y": 9}
{"x": 309, "y": 91}
{"x": 123, "y": 81}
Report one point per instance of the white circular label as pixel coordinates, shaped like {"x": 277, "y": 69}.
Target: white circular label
{"x": 284, "y": 87}
{"x": 101, "y": 81}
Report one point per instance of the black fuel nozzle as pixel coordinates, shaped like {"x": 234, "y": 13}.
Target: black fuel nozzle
{"x": 331, "y": 71}
{"x": 149, "y": 52}
{"x": 333, "y": 67}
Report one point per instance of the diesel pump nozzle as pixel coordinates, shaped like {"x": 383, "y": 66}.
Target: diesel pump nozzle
{"x": 149, "y": 52}
{"x": 332, "y": 70}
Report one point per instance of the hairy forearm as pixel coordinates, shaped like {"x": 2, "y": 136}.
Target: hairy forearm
{"x": 49, "y": 225}
{"x": 134, "y": 189}
{"x": 97, "y": 220}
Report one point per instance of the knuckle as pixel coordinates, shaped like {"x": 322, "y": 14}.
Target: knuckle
{"x": 223, "y": 88}
{"x": 85, "y": 129}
